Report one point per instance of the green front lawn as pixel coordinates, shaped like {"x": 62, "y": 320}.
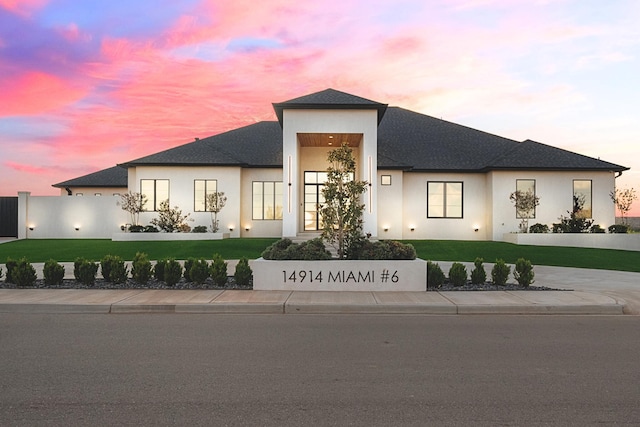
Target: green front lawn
{"x": 439, "y": 250}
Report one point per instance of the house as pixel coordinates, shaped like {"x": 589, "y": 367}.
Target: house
{"x": 428, "y": 178}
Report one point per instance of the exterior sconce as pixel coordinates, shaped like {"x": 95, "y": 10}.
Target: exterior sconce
{"x": 386, "y": 228}
{"x": 32, "y": 227}
{"x": 231, "y": 228}
{"x": 247, "y": 228}
{"x": 412, "y": 227}
{"x": 77, "y": 228}
{"x": 476, "y": 229}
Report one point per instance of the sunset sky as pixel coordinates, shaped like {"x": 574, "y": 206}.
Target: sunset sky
{"x": 85, "y": 85}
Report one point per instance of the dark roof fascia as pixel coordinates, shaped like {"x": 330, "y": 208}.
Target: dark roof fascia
{"x": 281, "y": 106}
{"x": 551, "y": 169}
{"x": 170, "y": 165}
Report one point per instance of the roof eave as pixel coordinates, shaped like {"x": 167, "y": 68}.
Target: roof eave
{"x": 281, "y": 106}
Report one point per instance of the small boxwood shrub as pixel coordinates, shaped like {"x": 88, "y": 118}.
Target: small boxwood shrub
{"x": 136, "y": 228}
{"x": 150, "y": 229}
{"x": 500, "y": 273}
{"x": 23, "y": 274}
{"x": 113, "y": 269}
{"x": 458, "y": 274}
{"x": 285, "y": 249}
{"x": 187, "y": 268}
{"x": 219, "y": 270}
{"x": 381, "y": 250}
{"x": 618, "y": 228}
{"x": 435, "y": 276}
{"x": 184, "y": 228}
{"x": 478, "y": 274}
{"x": 199, "y": 229}
{"x": 595, "y": 228}
{"x": 199, "y": 271}
{"x": 10, "y": 265}
{"x": 141, "y": 268}
{"x": 53, "y": 273}
{"x": 243, "y": 274}
{"x": 523, "y": 272}
{"x": 159, "y": 269}
{"x": 0, "y": 273}
{"x": 539, "y": 228}
{"x": 85, "y": 271}
{"x": 172, "y": 272}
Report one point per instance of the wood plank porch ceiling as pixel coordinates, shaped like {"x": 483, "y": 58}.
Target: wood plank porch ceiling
{"x": 329, "y": 139}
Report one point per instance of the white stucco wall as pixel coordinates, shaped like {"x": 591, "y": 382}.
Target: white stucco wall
{"x": 257, "y": 228}
{"x": 181, "y": 191}
{"x": 390, "y": 201}
{"x": 55, "y": 217}
{"x": 555, "y": 190}
{"x": 474, "y": 215}
{"x": 91, "y": 191}
{"x": 364, "y": 122}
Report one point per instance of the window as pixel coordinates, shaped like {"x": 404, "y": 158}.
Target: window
{"x": 156, "y": 190}
{"x": 201, "y": 189}
{"x": 582, "y": 198}
{"x": 385, "y": 180}
{"x": 444, "y": 199}
{"x": 525, "y": 186}
{"x": 267, "y": 200}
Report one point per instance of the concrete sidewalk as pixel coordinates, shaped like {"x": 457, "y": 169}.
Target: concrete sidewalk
{"x": 588, "y": 292}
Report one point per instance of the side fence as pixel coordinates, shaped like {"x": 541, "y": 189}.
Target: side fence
{"x": 8, "y": 217}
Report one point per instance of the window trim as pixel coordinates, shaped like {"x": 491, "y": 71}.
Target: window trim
{"x": 382, "y": 180}
{"x": 206, "y": 193}
{"x": 275, "y": 201}
{"x": 156, "y": 202}
{"x": 444, "y": 201}
{"x": 534, "y": 194}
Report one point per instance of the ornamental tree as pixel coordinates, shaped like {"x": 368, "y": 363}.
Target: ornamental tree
{"x": 623, "y": 199}
{"x": 169, "y": 219}
{"x": 342, "y": 210}
{"x": 215, "y": 202}
{"x": 525, "y": 203}
{"x": 134, "y": 204}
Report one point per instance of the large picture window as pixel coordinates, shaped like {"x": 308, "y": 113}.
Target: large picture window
{"x": 582, "y": 198}
{"x": 156, "y": 190}
{"x": 201, "y": 189}
{"x": 444, "y": 199}
{"x": 267, "y": 200}
{"x": 524, "y": 186}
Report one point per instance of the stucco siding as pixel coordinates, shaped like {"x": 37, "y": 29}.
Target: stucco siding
{"x": 257, "y": 228}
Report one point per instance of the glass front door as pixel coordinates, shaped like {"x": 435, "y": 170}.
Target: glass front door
{"x": 313, "y": 198}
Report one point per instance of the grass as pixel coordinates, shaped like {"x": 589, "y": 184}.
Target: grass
{"x": 439, "y": 250}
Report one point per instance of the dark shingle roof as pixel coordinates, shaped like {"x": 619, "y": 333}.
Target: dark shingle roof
{"x": 406, "y": 140}
{"x": 329, "y": 99}
{"x": 256, "y": 145}
{"x": 111, "y": 177}
{"x": 534, "y": 155}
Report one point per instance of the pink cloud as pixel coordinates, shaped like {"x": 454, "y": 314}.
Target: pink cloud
{"x": 35, "y": 92}
{"x": 22, "y": 7}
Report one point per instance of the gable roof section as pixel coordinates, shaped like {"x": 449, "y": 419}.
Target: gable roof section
{"x": 528, "y": 155}
{"x": 256, "y": 145}
{"x": 329, "y": 99}
{"x": 111, "y": 177}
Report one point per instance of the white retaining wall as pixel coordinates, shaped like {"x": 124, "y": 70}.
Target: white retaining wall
{"x": 626, "y": 242}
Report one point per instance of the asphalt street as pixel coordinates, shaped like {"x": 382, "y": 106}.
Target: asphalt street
{"x": 275, "y": 370}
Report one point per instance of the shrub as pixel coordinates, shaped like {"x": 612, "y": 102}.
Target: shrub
{"x": 136, "y": 229}
{"x": 458, "y": 274}
{"x": 618, "y": 228}
{"x": 523, "y": 272}
{"x": 199, "y": 229}
{"x": 85, "y": 271}
{"x": 500, "y": 273}
{"x": 219, "y": 270}
{"x": 435, "y": 276}
{"x": 478, "y": 274}
{"x": 595, "y": 228}
{"x": 243, "y": 274}
{"x": 539, "y": 228}
{"x": 0, "y": 273}
{"x": 23, "y": 274}
{"x": 187, "y": 268}
{"x": 184, "y": 228}
{"x": 113, "y": 269}
{"x": 169, "y": 219}
{"x": 10, "y": 265}
{"x": 199, "y": 271}
{"x": 141, "y": 268}
{"x": 172, "y": 272}
{"x": 150, "y": 229}
{"x": 285, "y": 249}
{"x": 53, "y": 273}
{"x": 159, "y": 269}
{"x": 381, "y": 250}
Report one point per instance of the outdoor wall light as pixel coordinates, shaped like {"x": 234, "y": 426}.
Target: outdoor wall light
{"x": 247, "y": 228}
{"x": 412, "y": 227}
{"x": 31, "y": 227}
{"x": 476, "y": 229}
{"x": 386, "y": 228}
{"x": 231, "y": 228}
{"x": 77, "y": 228}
